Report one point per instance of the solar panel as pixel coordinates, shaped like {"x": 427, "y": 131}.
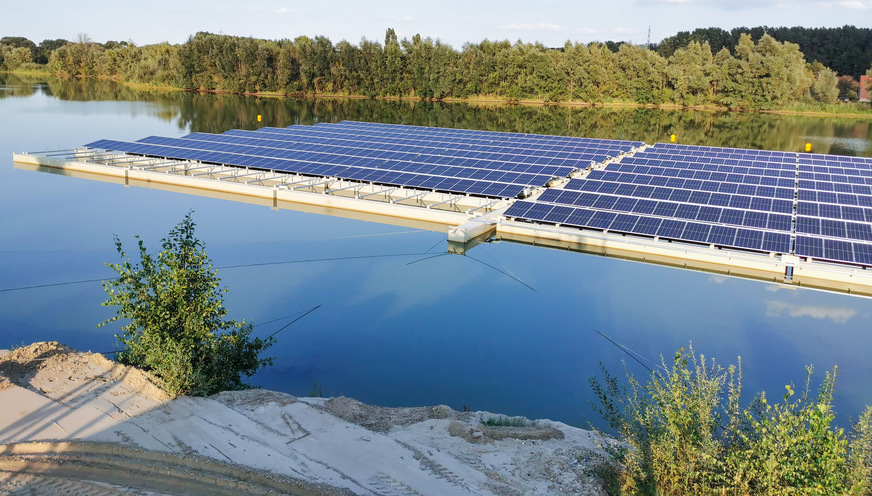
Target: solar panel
{"x": 757, "y": 200}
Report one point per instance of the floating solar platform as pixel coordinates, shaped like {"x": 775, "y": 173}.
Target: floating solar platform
{"x": 755, "y": 213}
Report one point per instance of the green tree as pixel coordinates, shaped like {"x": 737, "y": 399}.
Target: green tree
{"x": 176, "y": 321}
{"x": 825, "y": 88}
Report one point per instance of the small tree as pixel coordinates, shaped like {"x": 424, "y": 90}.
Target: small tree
{"x": 177, "y": 328}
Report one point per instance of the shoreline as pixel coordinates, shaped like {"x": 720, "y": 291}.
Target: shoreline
{"x": 70, "y": 404}
{"x": 475, "y": 100}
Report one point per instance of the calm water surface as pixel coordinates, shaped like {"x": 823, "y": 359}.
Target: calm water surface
{"x": 446, "y": 330}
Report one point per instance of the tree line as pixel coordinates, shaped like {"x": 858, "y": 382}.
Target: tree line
{"x": 846, "y": 50}
{"x": 754, "y": 74}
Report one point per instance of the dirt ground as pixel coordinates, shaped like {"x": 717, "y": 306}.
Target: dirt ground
{"x": 78, "y": 423}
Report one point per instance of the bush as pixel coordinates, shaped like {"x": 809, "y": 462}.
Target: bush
{"x": 176, "y": 318}
{"x": 686, "y": 433}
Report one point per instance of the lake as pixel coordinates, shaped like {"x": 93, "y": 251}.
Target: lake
{"x": 450, "y": 329}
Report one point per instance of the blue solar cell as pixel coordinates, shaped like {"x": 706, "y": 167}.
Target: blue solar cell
{"x": 700, "y": 197}
{"x": 853, "y": 213}
{"x": 862, "y": 253}
{"x": 746, "y": 238}
{"x": 579, "y": 217}
{"x": 671, "y": 229}
{"x": 833, "y": 228}
{"x": 625, "y": 204}
{"x": 779, "y": 222}
{"x": 720, "y": 199}
{"x": 695, "y": 231}
{"x": 838, "y": 250}
{"x": 732, "y": 216}
{"x": 722, "y": 235}
{"x": 808, "y": 225}
{"x": 624, "y": 223}
{"x": 539, "y": 211}
{"x": 709, "y": 214}
{"x": 605, "y": 202}
{"x": 686, "y": 211}
{"x": 776, "y": 242}
{"x": 679, "y": 195}
{"x": 859, "y": 231}
{"x": 647, "y": 225}
{"x": 519, "y": 209}
{"x": 782, "y": 206}
{"x": 645, "y": 207}
{"x": 665, "y": 209}
{"x": 558, "y": 214}
{"x": 756, "y": 219}
{"x": 809, "y": 247}
{"x": 602, "y": 220}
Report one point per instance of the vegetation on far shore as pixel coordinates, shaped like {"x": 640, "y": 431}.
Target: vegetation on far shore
{"x": 707, "y": 68}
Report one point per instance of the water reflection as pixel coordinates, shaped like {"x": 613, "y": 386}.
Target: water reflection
{"x": 214, "y": 113}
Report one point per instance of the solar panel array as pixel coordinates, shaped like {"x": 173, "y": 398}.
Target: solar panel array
{"x": 816, "y": 206}
{"x": 482, "y": 163}
{"x": 834, "y": 208}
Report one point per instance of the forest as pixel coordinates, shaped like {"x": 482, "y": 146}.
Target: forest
{"x": 757, "y": 68}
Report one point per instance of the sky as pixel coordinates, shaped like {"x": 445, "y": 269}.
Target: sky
{"x": 454, "y": 22}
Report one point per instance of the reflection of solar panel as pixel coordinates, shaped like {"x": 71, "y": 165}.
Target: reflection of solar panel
{"x": 748, "y": 199}
{"x": 480, "y": 163}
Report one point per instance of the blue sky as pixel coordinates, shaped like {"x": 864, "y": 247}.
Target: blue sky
{"x": 452, "y": 21}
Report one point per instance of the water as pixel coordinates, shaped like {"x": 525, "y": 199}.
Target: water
{"x": 446, "y": 330}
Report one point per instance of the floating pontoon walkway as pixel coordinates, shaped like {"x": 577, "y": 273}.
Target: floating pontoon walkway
{"x": 793, "y": 218}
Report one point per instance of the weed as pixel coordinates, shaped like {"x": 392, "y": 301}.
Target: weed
{"x": 503, "y": 421}
{"x": 688, "y": 434}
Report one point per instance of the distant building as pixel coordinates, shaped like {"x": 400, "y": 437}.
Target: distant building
{"x": 865, "y": 81}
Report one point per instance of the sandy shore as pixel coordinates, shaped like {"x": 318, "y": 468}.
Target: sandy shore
{"x": 78, "y": 423}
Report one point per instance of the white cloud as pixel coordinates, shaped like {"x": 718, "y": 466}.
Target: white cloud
{"x": 545, "y": 26}
{"x": 855, "y": 4}
{"x": 836, "y": 314}
{"x": 406, "y": 19}
{"x": 717, "y": 279}
{"x": 283, "y": 10}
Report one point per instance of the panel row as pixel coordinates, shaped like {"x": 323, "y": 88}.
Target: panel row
{"x": 703, "y": 198}
{"x": 380, "y": 176}
{"x": 829, "y": 211}
{"x": 520, "y": 178}
{"x": 774, "y": 188}
{"x": 766, "y": 219}
{"x": 833, "y": 249}
{"x": 541, "y": 164}
{"x": 834, "y": 228}
{"x": 581, "y": 156}
{"x": 421, "y": 131}
{"x": 673, "y": 229}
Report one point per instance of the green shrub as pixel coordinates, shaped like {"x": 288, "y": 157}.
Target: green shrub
{"x": 176, "y": 318}
{"x": 686, "y": 433}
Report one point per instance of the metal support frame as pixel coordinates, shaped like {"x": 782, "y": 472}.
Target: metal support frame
{"x": 454, "y": 198}
{"x": 235, "y": 176}
{"x": 353, "y": 186}
{"x": 484, "y": 206}
{"x": 274, "y": 176}
{"x": 314, "y": 184}
{"x": 410, "y": 197}
{"x": 377, "y": 192}
{"x": 160, "y": 165}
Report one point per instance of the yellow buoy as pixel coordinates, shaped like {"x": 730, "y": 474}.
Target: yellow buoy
{"x": 258, "y": 118}
{"x": 672, "y": 138}
{"x": 808, "y": 147}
